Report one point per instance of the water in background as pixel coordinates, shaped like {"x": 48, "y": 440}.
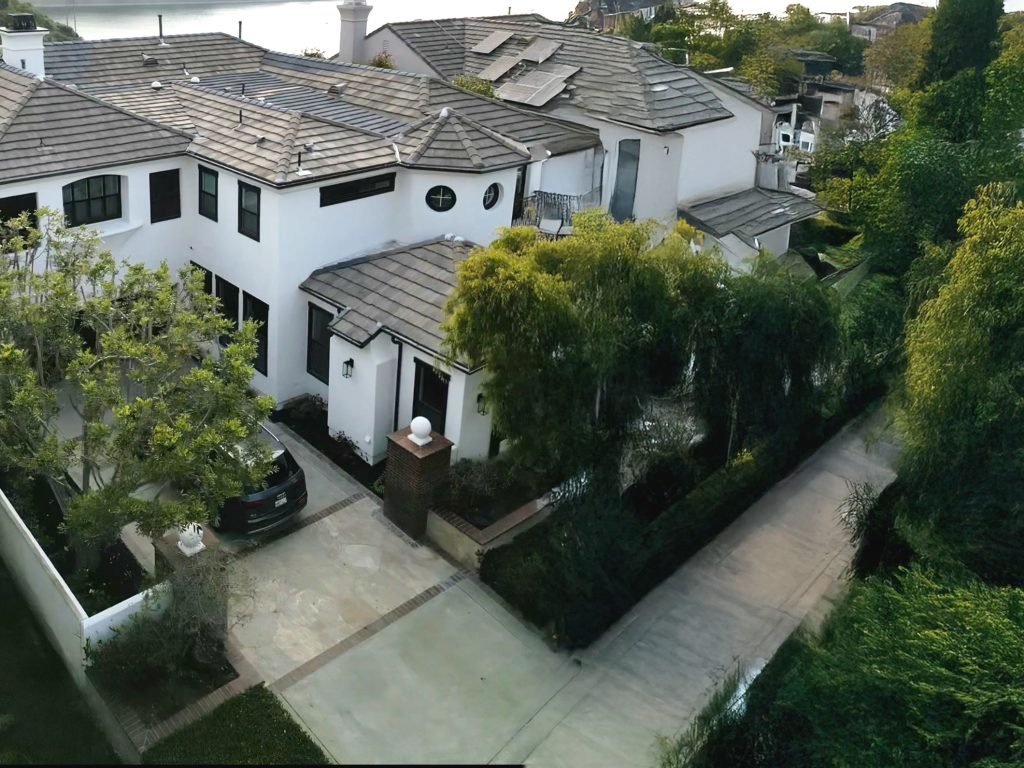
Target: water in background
{"x": 290, "y": 27}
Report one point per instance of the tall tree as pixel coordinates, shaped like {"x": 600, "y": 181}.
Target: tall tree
{"x": 99, "y": 383}
{"x": 897, "y": 58}
{"x": 569, "y": 331}
{"x": 963, "y": 409}
{"x": 964, "y": 35}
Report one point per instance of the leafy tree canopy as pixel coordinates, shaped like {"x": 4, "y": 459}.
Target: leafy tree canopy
{"x": 99, "y": 383}
{"x": 964, "y": 35}
{"x": 57, "y": 33}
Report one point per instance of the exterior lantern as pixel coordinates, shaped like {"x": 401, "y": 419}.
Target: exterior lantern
{"x": 481, "y": 404}
{"x": 346, "y": 368}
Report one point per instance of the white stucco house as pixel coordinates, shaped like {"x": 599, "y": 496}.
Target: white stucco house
{"x": 672, "y": 138}
{"x": 263, "y": 169}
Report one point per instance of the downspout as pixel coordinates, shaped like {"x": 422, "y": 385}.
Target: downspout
{"x": 398, "y": 380}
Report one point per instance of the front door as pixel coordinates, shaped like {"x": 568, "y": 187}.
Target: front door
{"x": 430, "y": 395}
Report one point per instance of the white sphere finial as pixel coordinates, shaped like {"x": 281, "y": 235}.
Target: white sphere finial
{"x": 421, "y": 428}
{"x": 190, "y": 539}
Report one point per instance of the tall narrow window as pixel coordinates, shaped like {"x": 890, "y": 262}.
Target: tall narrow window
{"x": 164, "y": 196}
{"x": 254, "y": 309}
{"x": 249, "y": 210}
{"x": 207, "y": 193}
{"x": 318, "y": 344}
{"x": 91, "y": 200}
{"x": 624, "y": 190}
{"x": 207, "y": 277}
{"x": 228, "y": 295}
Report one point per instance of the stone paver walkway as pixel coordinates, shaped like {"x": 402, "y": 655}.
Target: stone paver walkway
{"x": 460, "y": 679}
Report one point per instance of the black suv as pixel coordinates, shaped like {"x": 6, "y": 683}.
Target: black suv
{"x": 281, "y": 496}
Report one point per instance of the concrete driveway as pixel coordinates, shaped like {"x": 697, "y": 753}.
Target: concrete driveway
{"x": 339, "y": 568}
{"x": 459, "y": 679}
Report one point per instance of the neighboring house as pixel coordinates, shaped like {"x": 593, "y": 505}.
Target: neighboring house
{"x": 605, "y": 15}
{"x": 672, "y": 137}
{"x": 262, "y": 168}
{"x": 886, "y": 21}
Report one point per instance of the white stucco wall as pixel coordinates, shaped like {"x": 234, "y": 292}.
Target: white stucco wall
{"x": 718, "y": 158}
{"x": 383, "y": 40}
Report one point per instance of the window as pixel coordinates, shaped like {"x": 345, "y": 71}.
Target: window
{"x": 318, "y": 347}
{"x": 430, "y": 395}
{"x": 357, "y": 190}
{"x": 207, "y": 277}
{"x": 228, "y": 295}
{"x": 624, "y": 191}
{"x": 164, "y": 196}
{"x": 207, "y": 193}
{"x": 249, "y": 210}
{"x": 88, "y": 201}
{"x": 441, "y": 198}
{"x": 15, "y": 205}
{"x": 491, "y": 196}
{"x": 254, "y": 309}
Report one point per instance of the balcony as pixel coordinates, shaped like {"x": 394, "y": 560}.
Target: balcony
{"x": 552, "y": 213}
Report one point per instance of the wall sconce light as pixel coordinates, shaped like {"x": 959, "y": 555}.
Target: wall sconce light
{"x": 481, "y": 404}
{"x": 346, "y": 368}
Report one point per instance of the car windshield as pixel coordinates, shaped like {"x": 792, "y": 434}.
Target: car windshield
{"x": 282, "y": 467}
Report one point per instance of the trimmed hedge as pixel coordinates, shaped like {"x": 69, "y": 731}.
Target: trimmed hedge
{"x": 586, "y": 565}
{"x": 250, "y": 729}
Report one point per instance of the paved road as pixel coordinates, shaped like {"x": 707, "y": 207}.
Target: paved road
{"x": 459, "y": 679}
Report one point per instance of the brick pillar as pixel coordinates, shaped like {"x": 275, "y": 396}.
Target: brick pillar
{"x": 413, "y": 476}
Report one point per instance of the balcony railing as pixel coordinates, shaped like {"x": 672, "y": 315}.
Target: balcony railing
{"x": 552, "y": 213}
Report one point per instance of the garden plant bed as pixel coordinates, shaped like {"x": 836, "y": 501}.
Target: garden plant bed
{"x": 250, "y": 729}
{"x": 117, "y": 574}
{"x": 161, "y": 699}
{"x": 307, "y": 417}
{"x": 484, "y": 492}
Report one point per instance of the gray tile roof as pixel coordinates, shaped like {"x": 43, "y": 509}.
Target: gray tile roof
{"x": 453, "y": 142}
{"x": 102, "y": 62}
{"x": 619, "y": 80}
{"x": 749, "y": 213}
{"x": 402, "y": 291}
{"x": 47, "y": 128}
{"x": 354, "y": 115}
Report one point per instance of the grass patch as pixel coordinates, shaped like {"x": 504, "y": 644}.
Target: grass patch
{"x": 43, "y": 717}
{"x": 250, "y": 729}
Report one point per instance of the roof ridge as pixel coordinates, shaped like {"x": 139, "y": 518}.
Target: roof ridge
{"x": 467, "y": 143}
{"x": 136, "y": 38}
{"x": 426, "y": 141}
{"x": 509, "y": 142}
{"x": 19, "y": 104}
{"x": 285, "y": 161}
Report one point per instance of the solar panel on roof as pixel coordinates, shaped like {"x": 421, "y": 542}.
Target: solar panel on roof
{"x": 562, "y": 70}
{"x": 537, "y": 78}
{"x": 493, "y": 41}
{"x": 497, "y": 68}
{"x": 546, "y": 93}
{"x": 540, "y": 50}
{"x": 534, "y": 89}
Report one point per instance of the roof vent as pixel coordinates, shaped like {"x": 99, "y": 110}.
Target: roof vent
{"x": 21, "y": 22}
{"x": 260, "y": 139}
{"x": 156, "y": 85}
{"x": 445, "y": 113}
{"x": 194, "y": 79}
{"x": 309, "y": 148}
{"x": 336, "y": 89}
{"x": 149, "y": 61}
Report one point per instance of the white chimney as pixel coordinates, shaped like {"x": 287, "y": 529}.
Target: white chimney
{"x": 353, "y": 30}
{"x": 23, "y": 43}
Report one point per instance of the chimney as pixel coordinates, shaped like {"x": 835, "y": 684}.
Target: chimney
{"x": 353, "y": 30}
{"x": 23, "y": 43}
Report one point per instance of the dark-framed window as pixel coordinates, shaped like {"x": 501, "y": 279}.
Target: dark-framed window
{"x": 318, "y": 344}
{"x": 441, "y": 198}
{"x": 491, "y": 196}
{"x": 249, "y": 210}
{"x": 228, "y": 295}
{"x": 13, "y": 206}
{"x": 430, "y": 395}
{"x": 357, "y": 190}
{"x": 254, "y": 309}
{"x": 97, "y": 198}
{"x": 207, "y": 193}
{"x": 207, "y": 277}
{"x": 164, "y": 196}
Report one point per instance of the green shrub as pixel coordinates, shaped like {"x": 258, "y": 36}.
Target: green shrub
{"x": 474, "y": 84}
{"x": 250, "y": 729}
